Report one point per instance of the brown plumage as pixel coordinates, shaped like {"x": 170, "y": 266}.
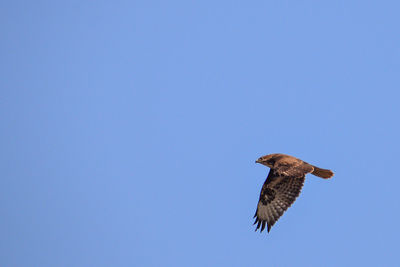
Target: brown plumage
{"x": 282, "y": 186}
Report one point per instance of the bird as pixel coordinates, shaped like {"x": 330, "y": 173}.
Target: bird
{"x": 282, "y": 186}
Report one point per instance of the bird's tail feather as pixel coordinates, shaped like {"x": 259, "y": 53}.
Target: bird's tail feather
{"x": 323, "y": 173}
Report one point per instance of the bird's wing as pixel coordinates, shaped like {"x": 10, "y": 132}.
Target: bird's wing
{"x": 277, "y": 195}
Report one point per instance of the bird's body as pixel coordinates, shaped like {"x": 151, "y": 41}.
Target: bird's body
{"x": 282, "y": 186}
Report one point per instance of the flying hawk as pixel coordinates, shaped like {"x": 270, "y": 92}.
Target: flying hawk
{"x": 282, "y": 186}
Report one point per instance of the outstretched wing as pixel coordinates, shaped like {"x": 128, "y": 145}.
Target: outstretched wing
{"x": 278, "y": 193}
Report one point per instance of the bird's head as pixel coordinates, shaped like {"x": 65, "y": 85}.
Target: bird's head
{"x": 268, "y": 160}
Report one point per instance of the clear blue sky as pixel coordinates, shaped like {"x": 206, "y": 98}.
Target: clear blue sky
{"x": 129, "y": 131}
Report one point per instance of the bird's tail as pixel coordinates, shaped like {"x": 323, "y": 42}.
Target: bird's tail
{"x": 323, "y": 173}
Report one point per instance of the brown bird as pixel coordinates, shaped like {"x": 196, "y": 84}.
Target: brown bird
{"x": 282, "y": 186}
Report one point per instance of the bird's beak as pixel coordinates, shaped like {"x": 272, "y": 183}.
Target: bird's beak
{"x": 258, "y": 161}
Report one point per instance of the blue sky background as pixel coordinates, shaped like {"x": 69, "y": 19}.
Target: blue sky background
{"x": 129, "y": 131}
